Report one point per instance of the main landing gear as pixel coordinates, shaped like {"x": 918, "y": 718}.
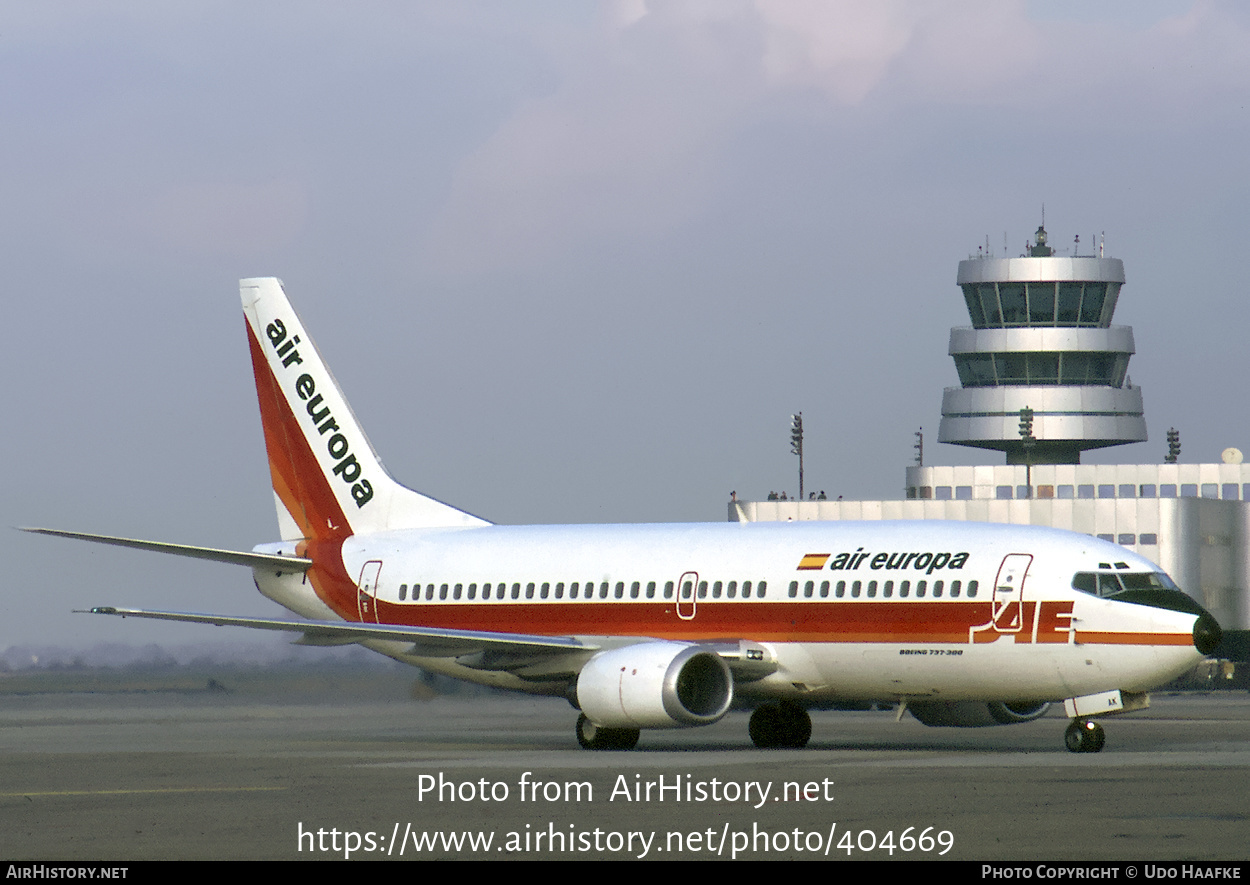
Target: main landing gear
{"x": 780, "y": 725}
{"x": 592, "y": 737}
{"x": 1084, "y": 736}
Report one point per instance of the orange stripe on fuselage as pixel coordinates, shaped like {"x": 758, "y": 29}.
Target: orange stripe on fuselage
{"x": 1106, "y": 637}
{"x": 760, "y": 621}
{"x": 867, "y": 622}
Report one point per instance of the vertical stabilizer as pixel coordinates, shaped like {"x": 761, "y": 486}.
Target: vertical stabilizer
{"x": 327, "y": 479}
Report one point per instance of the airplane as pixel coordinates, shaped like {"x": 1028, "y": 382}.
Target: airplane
{"x": 672, "y": 625}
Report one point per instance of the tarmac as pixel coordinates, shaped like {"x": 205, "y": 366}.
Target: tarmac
{"x": 372, "y": 773}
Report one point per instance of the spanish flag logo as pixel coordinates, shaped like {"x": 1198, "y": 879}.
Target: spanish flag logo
{"x": 813, "y": 561}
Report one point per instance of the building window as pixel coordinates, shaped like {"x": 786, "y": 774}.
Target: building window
{"x": 1189, "y": 490}
{"x": 911, "y": 492}
{"x": 1210, "y": 490}
{"x": 1110, "y": 538}
{"x": 1045, "y": 491}
{"x": 1125, "y": 539}
{"x": 1022, "y": 492}
{"x": 1167, "y": 490}
{"x": 943, "y": 493}
{"x": 963, "y": 493}
{"x": 1106, "y": 491}
{"x": 1127, "y": 490}
{"x": 1146, "y": 491}
{"x": 926, "y": 492}
{"x": 1002, "y": 493}
{"x": 1148, "y": 538}
{"x": 1085, "y": 491}
{"x": 1229, "y": 491}
{"x": 1064, "y": 492}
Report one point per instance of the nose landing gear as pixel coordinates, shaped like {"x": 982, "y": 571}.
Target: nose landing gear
{"x": 1084, "y": 736}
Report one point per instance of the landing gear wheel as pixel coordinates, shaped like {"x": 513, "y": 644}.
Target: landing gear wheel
{"x": 1084, "y": 736}
{"x": 593, "y": 737}
{"x": 764, "y": 726}
{"x": 780, "y": 725}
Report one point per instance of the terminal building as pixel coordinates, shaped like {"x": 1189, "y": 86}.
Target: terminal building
{"x": 1043, "y": 377}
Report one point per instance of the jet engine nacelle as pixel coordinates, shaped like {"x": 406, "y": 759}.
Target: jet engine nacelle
{"x": 655, "y": 685}
{"x": 977, "y": 714}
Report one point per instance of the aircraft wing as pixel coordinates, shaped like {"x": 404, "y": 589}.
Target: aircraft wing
{"x": 479, "y": 649}
{"x": 428, "y": 641}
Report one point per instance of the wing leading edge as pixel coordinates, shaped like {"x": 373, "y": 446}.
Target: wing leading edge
{"x": 430, "y": 641}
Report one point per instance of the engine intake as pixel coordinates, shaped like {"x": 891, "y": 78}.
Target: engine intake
{"x": 655, "y": 685}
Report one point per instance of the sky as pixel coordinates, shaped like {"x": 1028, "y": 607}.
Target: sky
{"x": 570, "y": 261}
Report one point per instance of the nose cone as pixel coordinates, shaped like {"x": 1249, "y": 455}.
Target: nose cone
{"x": 1207, "y": 633}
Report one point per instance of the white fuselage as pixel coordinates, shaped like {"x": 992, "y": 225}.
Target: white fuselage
{"x": 880, "y": 610}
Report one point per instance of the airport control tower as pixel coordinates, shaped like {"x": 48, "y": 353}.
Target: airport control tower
{"x": 1041, "y": 338}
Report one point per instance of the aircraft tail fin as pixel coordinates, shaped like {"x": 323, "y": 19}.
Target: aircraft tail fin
{"x": 327, "y": 479}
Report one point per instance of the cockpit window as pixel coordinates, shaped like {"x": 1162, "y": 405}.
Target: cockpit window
{"x": 1151, "y": 581}
{"x": 1086, "y": 582}
{"x": 1110, "y": 583}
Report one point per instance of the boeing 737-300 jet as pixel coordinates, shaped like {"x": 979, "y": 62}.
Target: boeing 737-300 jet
{"x": 671, "y": 626}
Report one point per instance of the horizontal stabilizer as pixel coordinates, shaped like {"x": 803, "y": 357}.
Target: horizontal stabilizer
{"x": 234, "y": 557}
{"x": 432, "y": 641}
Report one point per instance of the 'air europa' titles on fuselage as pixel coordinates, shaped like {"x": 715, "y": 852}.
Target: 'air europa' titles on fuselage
{"x": 346, "y": 467}
{"x": 924, "y": 562}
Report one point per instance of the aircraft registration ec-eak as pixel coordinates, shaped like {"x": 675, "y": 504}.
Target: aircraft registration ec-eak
{"x": 671, "y": 626}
